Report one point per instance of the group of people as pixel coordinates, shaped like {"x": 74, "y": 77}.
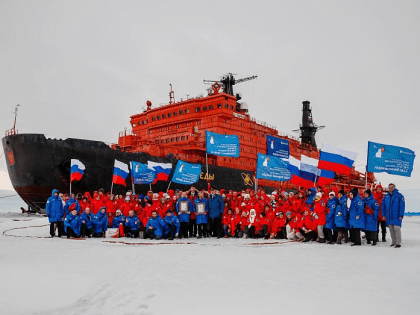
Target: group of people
{"x": 315, "y": 214}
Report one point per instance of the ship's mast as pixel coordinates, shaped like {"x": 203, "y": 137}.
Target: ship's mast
{"x": 228, "y": 81}
{"x": 14, "y": 125}
{"x": 171, "y": 95}
{"x": 308, "y": 128}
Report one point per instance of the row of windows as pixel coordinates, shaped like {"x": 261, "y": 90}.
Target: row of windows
{"x": 182, "y": 138}
{"x": 181, "y": 112}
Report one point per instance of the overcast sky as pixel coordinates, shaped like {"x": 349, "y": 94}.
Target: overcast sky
{"x": 81, "y": 68}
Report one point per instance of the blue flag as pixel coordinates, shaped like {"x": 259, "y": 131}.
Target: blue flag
{"x": 390, "y": 159}
{"x": 223, "y": 145}
{"x": 278, "y": 147}
{"x": 272, "y": 168}
{"x": 141, "y": 173}
{"x": 186, "y": 173}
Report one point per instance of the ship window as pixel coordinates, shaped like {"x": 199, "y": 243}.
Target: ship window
{"x": 175, "y": 113}
{"x": 212, "y": 120}
{"x": 163, "y": 116}
{"x": 219, "y": 105}
{"x": 187, "y": 111}
{"x": 144, "y": 122}
{"x": 242, "y": 124}
{"x": 242, "y": 150}
{"x": 169, "y": 115}
{"x": 187, "y": 137}
{"x": 197, "y": 109}
{"x": 167, "y": 128}
{"x": 183, "y": 138}
{"x": 226, "y": 105}
{"x": 134, "y": 125}
{"x": 153, "y": 118}
{"x": 242, "y": 137}
{"x": 172, "y": 139}
{"x": 158, "y": 117}
{"x": 181, "y": 112}
{"x": 231, "y": 107}
{"x": 204, "y": 108}
{"x": 187, "y": 124}
{"x": 167, "y": 140}
{"x": 160, "y": 129}
{"x": 211, "y": 107}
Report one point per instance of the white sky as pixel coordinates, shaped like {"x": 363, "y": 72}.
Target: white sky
{"x": 81, "y": 68}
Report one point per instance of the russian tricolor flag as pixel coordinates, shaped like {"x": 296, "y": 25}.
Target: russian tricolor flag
{"x": 77, "y": 170}
{"x": 120, "y": 173}
{"x": 308, "y": 170}
{"x": 325, "y": 177}
{"x": 297, "y": 174}
{"x": 336, "y": 160}
{"x": 163, "y": 170}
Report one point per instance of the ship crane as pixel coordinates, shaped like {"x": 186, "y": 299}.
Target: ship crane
{"x": 228, "y": 81}
{"x": 308, "y": 128}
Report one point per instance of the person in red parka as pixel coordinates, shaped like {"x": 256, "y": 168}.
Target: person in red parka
{"x": 111, "y": 209}
{"x": 278, "y": 229}
{"x": 126, "y": 207}
{"x": 262, "y": 228}
{"x": 97, "y": 204}
{"x": 237, "y": 216}
{"x": 84, "y": 204}
{"x": 378, "y": 195}
{"x": 308, "y": 226}
{"x": 228, "y": 223}
{"x": 320, "y": 216}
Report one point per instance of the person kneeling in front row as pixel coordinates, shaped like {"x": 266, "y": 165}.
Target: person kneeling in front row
{"x": 171, "y": 228}
{"x": 72, "y": 224}
{"x": 132, "y": 225}
{"x": 155, "y": 225}
{"x": 87, "y": 224}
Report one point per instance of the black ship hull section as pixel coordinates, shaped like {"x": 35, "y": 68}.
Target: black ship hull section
{"x": 36, "y": 165}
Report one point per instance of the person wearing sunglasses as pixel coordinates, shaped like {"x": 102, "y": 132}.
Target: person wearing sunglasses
{"x": 393, "y": 207}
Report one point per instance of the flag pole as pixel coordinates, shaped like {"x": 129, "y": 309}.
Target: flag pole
{"x": 207, "y": 166}
{"x": 168, "y": 186}
{"x": 112, "y": 179}
{"x": 70, "y": 185}
{"x": 132, "y": 179}
{"x": 150, "y": 186}
{"x": 256, "y": 184}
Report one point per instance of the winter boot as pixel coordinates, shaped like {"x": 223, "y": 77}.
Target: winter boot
{"x": 383, "y": 237}
{"x": 346, "y": 238}
{"x": 374, "y": 243}
{"x": 339, "y": 237}
{"x": 322, "y": 240}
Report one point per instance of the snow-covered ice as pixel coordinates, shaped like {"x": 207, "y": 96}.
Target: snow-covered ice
{"x": 59, "y": 276}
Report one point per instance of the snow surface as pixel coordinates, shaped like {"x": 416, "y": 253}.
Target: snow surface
{"x": 40, "y": 275}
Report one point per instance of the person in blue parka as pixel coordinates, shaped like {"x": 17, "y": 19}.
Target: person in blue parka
{"x": 371, "y": 217}
{"x": 184, "y": 216}
{"x": 132, "y": 225}
{"x": 71, "y": 204}
{"x": 55, "y": 213}
{"x": 216, "y": 208}
{"x": 72, "y": 224}
{"x": 356, "y": 216}
{"x": 201, "y": 219}
{"x": 393, "y": 208}
{"x": 342, "y": 217}
{"x": 155, "y": 225}
{"x": 86, "y": 223}
{"x": 118, "y": 219}
{"x": 330, "y": 225}
{"x": 171, "y": 228}
{"x": 100, "y": 223}
{"x": 310, "y": 197}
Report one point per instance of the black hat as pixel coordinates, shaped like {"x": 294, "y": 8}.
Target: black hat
{"x": 341, "y": 192}
{"x": 368, "y": 191}
{"x": 355, "y": 191}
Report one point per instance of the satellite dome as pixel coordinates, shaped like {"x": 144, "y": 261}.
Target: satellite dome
{"x": 244, "y": 105}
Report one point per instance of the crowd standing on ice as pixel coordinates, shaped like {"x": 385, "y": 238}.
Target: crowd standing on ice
{"x": 329, "y": 217}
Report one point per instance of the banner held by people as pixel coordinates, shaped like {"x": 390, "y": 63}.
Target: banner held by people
{"x": 389, "y": 159}
{"x": 141, "y": 173}
{"x": 272, "y": 168}
{"x": 336, "y": 160}
{"x": 120, "y": 173}
{"x": 186, "y": 173}
{"x": 278, "y": 147}
{"x": 162, "y": 170}
{"x": 222, "y": 145}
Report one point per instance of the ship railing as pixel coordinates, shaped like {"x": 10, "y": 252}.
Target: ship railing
{"x": 282, "y": 134}
{"x": 126, "y": 133}
{"x": 263, "y": 123}
{"x": 11, "y": 132}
